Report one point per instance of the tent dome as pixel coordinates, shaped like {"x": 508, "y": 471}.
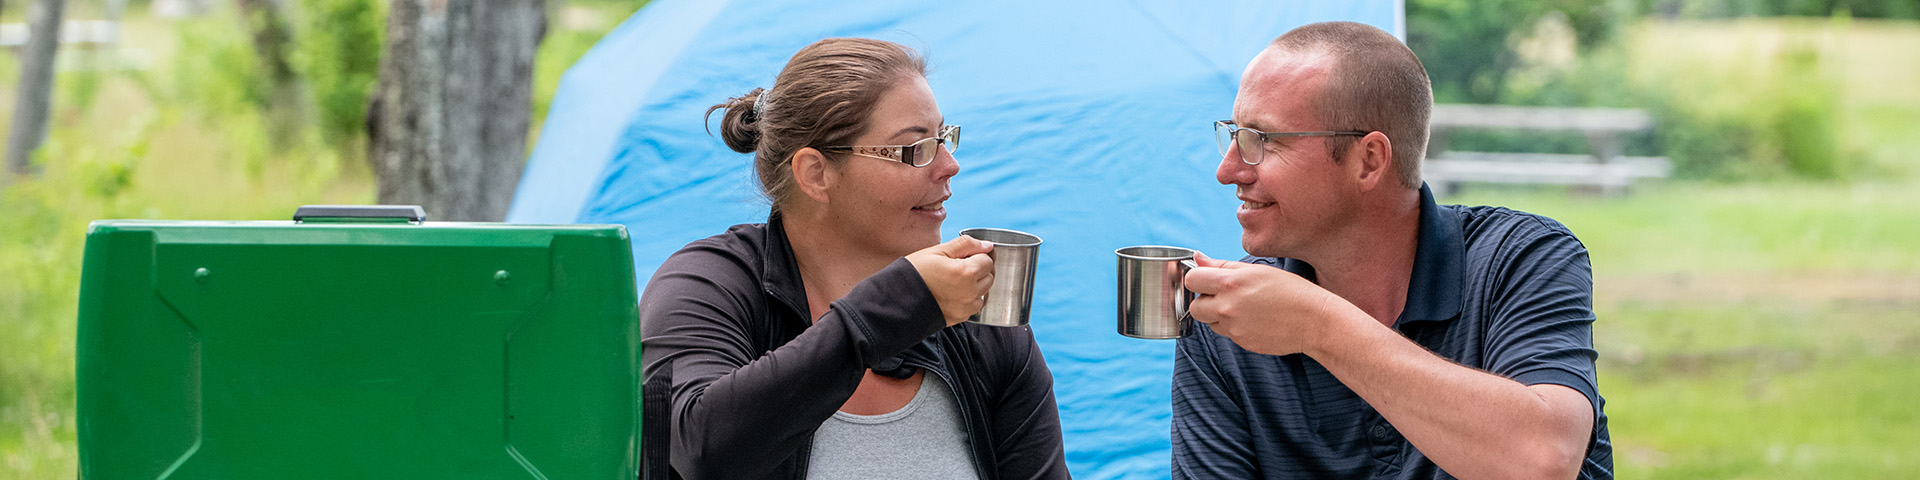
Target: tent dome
{"x": 1088, "y": 124}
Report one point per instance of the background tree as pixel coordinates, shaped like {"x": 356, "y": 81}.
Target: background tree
{"x": 34, "y": 96}
{"x": 338, "y": 56}
{"x": 272, "y": 34}
{"x": 451, "y": 113}
{"x": 1468, "y": 45}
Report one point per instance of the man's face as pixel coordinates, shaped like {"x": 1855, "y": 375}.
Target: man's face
{"x": 1298, "y": 198}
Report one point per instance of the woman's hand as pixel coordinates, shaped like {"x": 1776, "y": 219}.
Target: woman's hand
{"x": 958, "y": 272}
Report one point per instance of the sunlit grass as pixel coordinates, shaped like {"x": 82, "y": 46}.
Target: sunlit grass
{"x": 1847, "y": 416}
{"x": 1753, "y": 331}
{"x": 1703, "y": 227}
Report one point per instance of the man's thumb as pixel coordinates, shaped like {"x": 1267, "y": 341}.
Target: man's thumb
{"x": 1206, "y": 261}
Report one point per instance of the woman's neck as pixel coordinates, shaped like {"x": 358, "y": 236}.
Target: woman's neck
{"x": 830, "y": 265}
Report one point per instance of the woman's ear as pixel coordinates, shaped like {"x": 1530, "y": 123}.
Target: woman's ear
{"x": 813, "y": 174}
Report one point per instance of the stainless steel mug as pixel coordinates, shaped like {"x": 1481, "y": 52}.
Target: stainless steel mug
{"x": 1015, "y": 254}
{"x": 1153, "y": 293}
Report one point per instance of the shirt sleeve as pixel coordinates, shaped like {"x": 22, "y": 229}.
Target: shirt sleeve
{"x": 1211, "y": 437}
{"x": 1025, "y": 419}
{"x": 1542, "y": 321}
{"x": 738, "y": 413}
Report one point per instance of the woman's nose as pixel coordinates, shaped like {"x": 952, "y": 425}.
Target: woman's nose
{"x": 945, "y": 165}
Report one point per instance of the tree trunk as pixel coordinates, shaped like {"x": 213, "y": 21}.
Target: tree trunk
{"x": 34, "y": 96}
{"x": 450, "y": 116}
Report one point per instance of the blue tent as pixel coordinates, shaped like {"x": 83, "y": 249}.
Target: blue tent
{"x": 1087, "y": 123}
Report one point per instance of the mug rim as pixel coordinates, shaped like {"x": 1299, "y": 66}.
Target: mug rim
{"x": 1036, "y": 238}
{"x": 1122, "y": 252}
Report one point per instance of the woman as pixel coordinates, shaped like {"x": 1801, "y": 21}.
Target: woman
{"x": 829, "y": 342}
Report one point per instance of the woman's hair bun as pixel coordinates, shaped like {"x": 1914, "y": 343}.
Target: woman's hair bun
{"x": 739, "y": 125}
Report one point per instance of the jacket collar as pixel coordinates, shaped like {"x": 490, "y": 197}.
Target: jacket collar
{"x": 781, "y": 270}
{"x": 781, "y": 281}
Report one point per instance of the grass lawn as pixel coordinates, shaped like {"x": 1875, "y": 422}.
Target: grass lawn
{"x": 1753, "y": 331}
{"x": 1767, "y": 330}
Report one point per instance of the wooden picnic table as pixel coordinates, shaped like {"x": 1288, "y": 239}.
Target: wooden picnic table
{"x": 72, "y": 32}
{"x": 1603, "y": 167}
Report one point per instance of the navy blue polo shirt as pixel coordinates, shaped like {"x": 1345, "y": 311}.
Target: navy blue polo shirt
{"x": 1497, "y": 290}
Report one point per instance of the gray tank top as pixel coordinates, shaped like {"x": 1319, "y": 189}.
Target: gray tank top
{"x": 922, "y": 441}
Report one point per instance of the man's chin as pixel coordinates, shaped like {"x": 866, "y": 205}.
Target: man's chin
{"x": 1258, "y": 247}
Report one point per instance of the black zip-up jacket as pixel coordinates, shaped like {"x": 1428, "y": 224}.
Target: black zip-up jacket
{"x": 751, "y": 380}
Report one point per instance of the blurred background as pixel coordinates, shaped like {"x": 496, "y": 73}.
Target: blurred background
{"x": 1759, "y": 303}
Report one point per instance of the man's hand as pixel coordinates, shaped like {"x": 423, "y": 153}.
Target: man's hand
{"x": 958, "y": 272}
{"x": 1264, "y": 310}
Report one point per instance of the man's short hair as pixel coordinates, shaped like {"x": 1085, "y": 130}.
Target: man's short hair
{"x": 1375, "y": 84}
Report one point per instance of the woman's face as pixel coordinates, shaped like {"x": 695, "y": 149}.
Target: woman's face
{"x": 888, "y": 206}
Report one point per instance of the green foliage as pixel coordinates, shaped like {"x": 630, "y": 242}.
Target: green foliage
{"x": 1713, "y": 127}
{"x": 215, "y": 69}
{"x": 1896, "y": 9}
{"x": 10, "y": 70}
{"x": 40, "y": 247}
{"x": 1468, "y": 46}
{"x": 1702, "y": 95}
{"x": 79, "y": 88}
{"x": 338, "y": 53}
{"x": 186, "y": 139}
{"x": 1805, "y": 116}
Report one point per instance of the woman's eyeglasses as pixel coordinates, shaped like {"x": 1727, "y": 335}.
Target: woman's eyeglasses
{"x": 917, "y": 154}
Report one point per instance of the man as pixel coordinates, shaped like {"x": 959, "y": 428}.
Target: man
{"x": 1397, "y": 338}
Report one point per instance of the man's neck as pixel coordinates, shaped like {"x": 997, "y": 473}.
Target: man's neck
{"x": 829, "y": 265}
{"x": 1371, "y": 264}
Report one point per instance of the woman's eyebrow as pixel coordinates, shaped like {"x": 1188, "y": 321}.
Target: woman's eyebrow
{"x": 913, "y": 129}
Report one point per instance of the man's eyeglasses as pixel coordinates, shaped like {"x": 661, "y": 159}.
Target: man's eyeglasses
{"x": 1253, "y": 142}
{"x": 917, "y": 154}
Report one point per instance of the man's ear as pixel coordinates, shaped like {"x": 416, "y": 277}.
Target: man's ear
{"x": 813, "y": 174}
{"x": 1373, "y": 156}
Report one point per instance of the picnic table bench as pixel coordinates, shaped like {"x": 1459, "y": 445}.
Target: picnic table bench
{"x": 72, "y": 32}
{"x": 1604, "y": 168}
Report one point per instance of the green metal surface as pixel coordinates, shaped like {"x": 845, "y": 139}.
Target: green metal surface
{"x": 357, "y": 350}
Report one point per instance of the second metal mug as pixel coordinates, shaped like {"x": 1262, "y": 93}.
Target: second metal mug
{"x": 1010, "y": 299}
{"x": 1153, "y": 293}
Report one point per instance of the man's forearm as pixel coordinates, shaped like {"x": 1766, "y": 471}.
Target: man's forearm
{"x": 1471, "y": 423}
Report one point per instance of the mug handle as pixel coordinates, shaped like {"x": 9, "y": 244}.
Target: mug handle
{"x": 1187, "y": 266}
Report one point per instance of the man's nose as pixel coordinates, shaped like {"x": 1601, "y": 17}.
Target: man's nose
{"x": 1232, "y": 171}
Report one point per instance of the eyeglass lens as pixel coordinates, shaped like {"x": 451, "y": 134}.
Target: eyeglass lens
{"x": 1251, "y": 147}
{"x": 923, "y": 151}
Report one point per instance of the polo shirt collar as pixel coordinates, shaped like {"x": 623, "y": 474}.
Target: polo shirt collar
{"x": 1433, "y": 294}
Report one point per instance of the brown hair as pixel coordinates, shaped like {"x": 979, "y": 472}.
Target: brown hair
{"x": 1376, "y": 84}
{"x": 822, "y": 98}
